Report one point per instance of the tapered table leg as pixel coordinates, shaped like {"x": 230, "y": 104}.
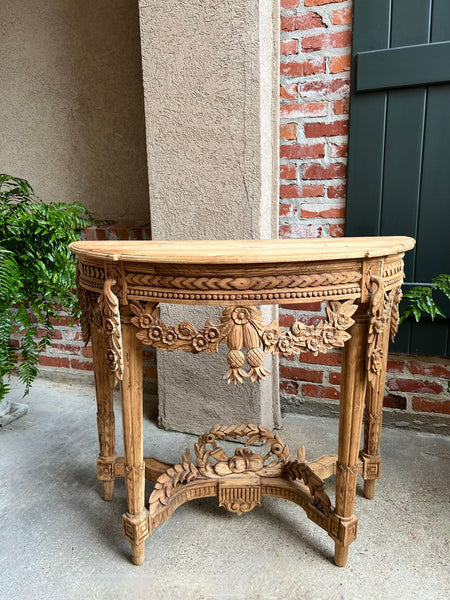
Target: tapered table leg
{"x": 135, "y": 521}
{"x": 105, "y": 413}
{"x": 372, "y": 422}
{"x": 353, "y": 389}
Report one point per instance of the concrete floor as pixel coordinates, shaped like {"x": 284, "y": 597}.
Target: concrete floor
{"x": 59, "y": 540}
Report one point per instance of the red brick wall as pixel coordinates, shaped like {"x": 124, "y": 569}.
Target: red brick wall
{"x": 315, "y": 80}
{"x": 414, "y": 384}
{"x": 315, "y": 63}
{"x": 315, "y": 72}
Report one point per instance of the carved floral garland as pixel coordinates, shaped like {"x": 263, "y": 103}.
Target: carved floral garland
{"x": 243, "y": 327}
{"x": 383, "y": 313}
{"x": 109, "y": 307}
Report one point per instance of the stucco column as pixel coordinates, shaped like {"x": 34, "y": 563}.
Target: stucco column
{"x": 210, "y": 71}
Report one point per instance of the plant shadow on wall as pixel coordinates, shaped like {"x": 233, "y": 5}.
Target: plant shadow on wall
{"x": 37, "y": 275}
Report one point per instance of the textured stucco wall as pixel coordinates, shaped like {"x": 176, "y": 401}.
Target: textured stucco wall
{"x": 205, "y": 71}
{"x": 71, "y": 103}
{"x": 211, "y": 102}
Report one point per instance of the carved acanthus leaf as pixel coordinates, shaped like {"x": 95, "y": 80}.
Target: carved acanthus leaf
{"x": 184, "y": 472}
{"x": 242, "y": 327}
{"x": 303, "y": 472}
{"x": 109, "y": 306}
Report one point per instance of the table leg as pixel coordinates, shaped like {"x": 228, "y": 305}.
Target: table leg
{"x": 105, "y": 413}
{"x": 353, "y": 387}
{"x": 372, "y": 423}
{"x": 135, "y": 521}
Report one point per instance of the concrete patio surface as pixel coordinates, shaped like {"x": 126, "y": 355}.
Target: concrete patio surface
{"x": 60, "y": 540}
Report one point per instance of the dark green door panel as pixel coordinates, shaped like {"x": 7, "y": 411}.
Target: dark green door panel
{"x": 440, "y": 21}
{"x": 365, "y": 169}
{"x": 405, "y": 30}
{"x": 402, "y": 165}
{"x": 371, "y": 24}
{"x": 427, "y": 338}
{"x": 433, "y": 250}
{"x": 399, "y": 156}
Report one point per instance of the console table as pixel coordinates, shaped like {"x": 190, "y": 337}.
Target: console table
{"x": 120, "y": 285}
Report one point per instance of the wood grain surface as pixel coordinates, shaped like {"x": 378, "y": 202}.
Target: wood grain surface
{"x": 243, "y": 251}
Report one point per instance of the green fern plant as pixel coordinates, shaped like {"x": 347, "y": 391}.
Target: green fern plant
{"x": 37, "y": 274}
{"x": 421, "y": 301}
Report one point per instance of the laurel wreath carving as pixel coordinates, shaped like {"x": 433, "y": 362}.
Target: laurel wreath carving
{"x": 213, "y": 463}
{"x": 242, "y": 327}
{"x": 93, "y": 272}
{"x": 244, "y": 460}
{"x": 393, "y": 268}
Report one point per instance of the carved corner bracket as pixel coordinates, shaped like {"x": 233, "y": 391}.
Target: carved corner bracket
{"x": 242, "y": 327}
{"x": 239, "y": 480}
{"x": 104, "y": 314}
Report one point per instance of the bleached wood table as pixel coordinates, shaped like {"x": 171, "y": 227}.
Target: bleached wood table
{"x": 120, "y": 285}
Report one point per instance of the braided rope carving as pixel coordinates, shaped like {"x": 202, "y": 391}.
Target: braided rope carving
{"x": 240, "y": 283}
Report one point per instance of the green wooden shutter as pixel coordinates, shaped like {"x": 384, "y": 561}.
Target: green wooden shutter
{"x": 399, "y": 143}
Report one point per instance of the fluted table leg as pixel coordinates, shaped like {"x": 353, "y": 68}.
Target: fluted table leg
{"x": 372, "y": 422}
{"x": 105, "y": 413}
{"x": 353, "y": 387}
{"x": 135, "y": 521}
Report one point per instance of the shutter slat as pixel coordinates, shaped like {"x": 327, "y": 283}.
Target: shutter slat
{"x": 440, "y": 21}
{"x": 421, "y": 64}
{"x": 402, "y": 167}
{"x": 410, "y": 23}
{"x": 365, "y": 172}
{"x": 370, "y": 31}
{"x": 432, "y": 250}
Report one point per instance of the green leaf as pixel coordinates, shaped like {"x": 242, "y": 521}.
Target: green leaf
{"x": 420, "y": 299}
{"x": 443, "y": 284}
{"x": 37, "y": 272}
{"x": 416, "y": 313}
